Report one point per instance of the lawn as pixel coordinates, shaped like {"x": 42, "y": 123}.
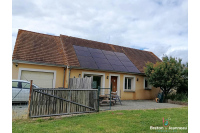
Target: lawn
{"x": 109, "y": 121}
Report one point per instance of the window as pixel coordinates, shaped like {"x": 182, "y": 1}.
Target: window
{"x": 25, "y": 85}
{"x": 14, "y": 84}
{"x": 147, "y": 86}
{"x": 146, "y": 83}
{"x": 33, "y": 86}
{"x": 129, "y": 83}
{"x": 96, "y": 80}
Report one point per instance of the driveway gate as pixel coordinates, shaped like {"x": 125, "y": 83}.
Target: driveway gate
{"x": 52, "y": 102}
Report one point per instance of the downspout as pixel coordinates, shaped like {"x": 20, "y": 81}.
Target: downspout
{"x": 64, "y": 77}
{"x": 69, "y": 91}
{"x": 69, "y": 77}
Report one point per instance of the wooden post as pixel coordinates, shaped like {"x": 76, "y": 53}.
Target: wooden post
{"x": 110, "y": 98}
{"x": 98, "y": 98}
{"x": 29, "y": 101}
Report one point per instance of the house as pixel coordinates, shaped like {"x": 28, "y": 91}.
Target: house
{"x": 51, "y": 60}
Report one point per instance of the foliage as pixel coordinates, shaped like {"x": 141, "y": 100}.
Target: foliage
{"x": 130, "y": 121}
{"x": 183, "y": 88}
{"x": 178, "y": 97}
{"x": 168, "y": 74}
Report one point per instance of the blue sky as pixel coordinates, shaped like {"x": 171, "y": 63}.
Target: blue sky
{"x": 160, "y": 26}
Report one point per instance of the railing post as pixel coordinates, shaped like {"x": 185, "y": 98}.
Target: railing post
{"x": 29, "y": 101}
{"x": 110, "y": 98}
{"x": 98, "y": 98}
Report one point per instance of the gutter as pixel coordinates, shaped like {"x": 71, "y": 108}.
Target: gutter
{"x": 75, "y": 67}
{"x": 69, "y": 76}
{"x": 64, "y": 76}
{"x": 37, "y": 63}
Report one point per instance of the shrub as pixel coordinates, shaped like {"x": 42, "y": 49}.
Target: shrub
{"x": 178, "y": 97}
{"x": 183, "y": 89}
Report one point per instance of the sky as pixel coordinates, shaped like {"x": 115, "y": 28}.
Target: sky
{"x": 159, "y": 26}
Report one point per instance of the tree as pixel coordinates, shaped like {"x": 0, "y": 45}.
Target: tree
{"x": 168, "y": 74}
{"x": 183, "y": 88}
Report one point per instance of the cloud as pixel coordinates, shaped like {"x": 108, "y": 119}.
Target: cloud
{"x": 184, "y": 54}
{"x": 26, "y": 9}
{"x": 154, "y": 25}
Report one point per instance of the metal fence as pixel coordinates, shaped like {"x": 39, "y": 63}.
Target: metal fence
{"x": 105, "y": 100}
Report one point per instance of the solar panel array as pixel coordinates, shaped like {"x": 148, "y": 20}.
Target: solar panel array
{"x": 104, "y": 60}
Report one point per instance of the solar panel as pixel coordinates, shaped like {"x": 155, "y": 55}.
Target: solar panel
{"x": 123, "y": 58}
{"x": 104, "y": 66}
{"x": 132, "y": 69}
{"x": 119, "y": 68}
{"x": 115, "y": 62}
{"x": 80, "y": 48}
{"x": 111, "y": 57}
{"x": 104, "y": 60}
{"x": 120, "y": 54}
{"x": 108, "y": 52}
{"x": 98, "y": 55}
{"x": 91, "y": 65}
{"x": 101, "y": 60}
{"x": 128, "y": 64}
{"x": 82, "y": 53}
{"x": 92, "y": 50}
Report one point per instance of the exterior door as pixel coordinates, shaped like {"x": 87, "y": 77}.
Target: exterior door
{"x": 114, "y": 83}
{"x": 96, "y": 82}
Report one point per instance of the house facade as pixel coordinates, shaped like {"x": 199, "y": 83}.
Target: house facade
{"x": 51, "y": 60}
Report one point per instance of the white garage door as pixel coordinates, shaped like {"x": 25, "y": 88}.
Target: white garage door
{"x": 41, "y": 79}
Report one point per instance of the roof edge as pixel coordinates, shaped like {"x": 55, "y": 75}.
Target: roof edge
{"x": 37, "y": 63}
{"x": 75, "y": 67}
{"x": 111, "y": 45}
{"x": 21, "y": 30}
{"x": 154, "y": 55}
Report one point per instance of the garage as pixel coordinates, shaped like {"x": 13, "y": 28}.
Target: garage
{"x": 41, "y": 79}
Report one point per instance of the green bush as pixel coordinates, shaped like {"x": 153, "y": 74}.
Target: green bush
{"x": 183, "y": 88}
{"x": 178, "y": 97}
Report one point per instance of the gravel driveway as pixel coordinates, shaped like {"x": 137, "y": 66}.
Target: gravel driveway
{"x": 140, "y": 104}
{"x": 21, "y": 111}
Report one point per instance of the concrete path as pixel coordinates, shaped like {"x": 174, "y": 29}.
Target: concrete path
{"x": 140, "y": 104}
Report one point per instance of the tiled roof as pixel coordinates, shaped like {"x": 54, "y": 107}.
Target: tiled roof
{"x": 138, "y": 57}
{"x": 36, "y": 47}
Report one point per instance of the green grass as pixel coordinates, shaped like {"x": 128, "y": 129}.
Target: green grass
{"x": 128, "y": 121}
